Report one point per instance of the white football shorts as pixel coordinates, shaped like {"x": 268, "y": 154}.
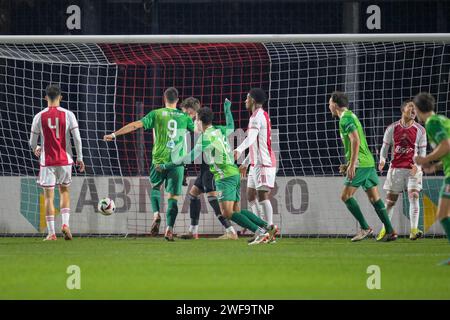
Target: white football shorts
{"x": 57, "y": 175}
{"x": 399, "y": 180}
{"x": 261, "y": 178}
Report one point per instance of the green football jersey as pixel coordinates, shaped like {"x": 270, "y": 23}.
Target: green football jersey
{"x": 348, "y": 123}
{"x": 218, "y": 153}
{"x": 169, "y": 133}
{"x": 438, "y": 130}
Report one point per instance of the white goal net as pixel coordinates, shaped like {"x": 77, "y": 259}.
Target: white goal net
{"x": 108, "y": 85}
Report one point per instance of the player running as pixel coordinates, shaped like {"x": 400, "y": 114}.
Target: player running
{"x": 360, "y": 168}
{"x": 408, "y": 139}
{"x": 438, "y": 131}
{"x": 54, "y": 125}
{"x": 261, "y": 177}
{"x": 204, "y": 183}
{"x": 214, "y": 145}
{"x": 169, "y": 131}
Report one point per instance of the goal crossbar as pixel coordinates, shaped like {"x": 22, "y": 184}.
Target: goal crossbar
{"x": 220, "y": 38}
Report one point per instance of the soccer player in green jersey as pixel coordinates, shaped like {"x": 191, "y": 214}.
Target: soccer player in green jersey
{"x": 169, "y": 132}
{"x": 360, "y": 170}
{"x": 217, "y": 153}
{"x": 204, "y": 183}
{"x": 438, "y": 132}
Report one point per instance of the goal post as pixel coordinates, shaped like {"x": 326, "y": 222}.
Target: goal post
{"x": 109, "y": 81}
{"x": 235, "y": 38}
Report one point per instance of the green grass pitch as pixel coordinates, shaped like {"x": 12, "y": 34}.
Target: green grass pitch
{"x": 148, "y": 268}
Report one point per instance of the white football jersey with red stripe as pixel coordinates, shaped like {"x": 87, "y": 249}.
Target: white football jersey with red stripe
{"x": 261, "y": 153}
{"x": 54, "y": 125}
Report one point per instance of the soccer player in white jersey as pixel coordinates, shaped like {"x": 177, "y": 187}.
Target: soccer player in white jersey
{"x": 54, "y": 125}
{"x": 261, "y": 176}
{"x": 408, "y": 139}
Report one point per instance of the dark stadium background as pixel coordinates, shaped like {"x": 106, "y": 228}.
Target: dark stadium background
{"x": 44, "y": 17}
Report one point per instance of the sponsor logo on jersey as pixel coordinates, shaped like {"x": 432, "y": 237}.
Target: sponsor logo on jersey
{"x": 403, "y": 150}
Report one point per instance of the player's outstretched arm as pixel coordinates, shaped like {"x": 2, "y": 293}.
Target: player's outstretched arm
{"x": 189, "y": 158}
{"x": 441, "y": 150}
{"x": 229, "y": 126}
{"x": 133, "y": 126}
{"x": 433, "y": 168}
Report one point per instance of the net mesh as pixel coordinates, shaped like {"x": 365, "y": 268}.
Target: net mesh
{"x": 110, "y": 85}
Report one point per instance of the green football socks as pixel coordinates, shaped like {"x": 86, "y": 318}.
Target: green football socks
{"x": 243, "y": 221}
{"x": 172, "y": 212}
{"x": 155, "y": 198}
{"x": 255, "y": 219}
{"x": 355, "y": 210}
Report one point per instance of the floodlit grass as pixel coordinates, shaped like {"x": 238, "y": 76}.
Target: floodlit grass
{"x": 148, "y": 268}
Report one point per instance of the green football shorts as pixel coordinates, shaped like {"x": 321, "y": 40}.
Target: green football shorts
{"x": 366, "y": 178}
{"x": 229, "y": 189}
{"x": 173, "y": 179}
{"x": 445, "y": 190}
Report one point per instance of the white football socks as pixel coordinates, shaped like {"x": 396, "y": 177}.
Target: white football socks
{"x": 260, "y": 231}
{"x": 255, "y": 207}
{"x": 414, "y": 212}
{"x": 230, "y": 230}
{"x": 50, "y": 224}
{"x": 267, "y": 210}
{"x": 193, "y": 229}
{"x": 65, "y": 215}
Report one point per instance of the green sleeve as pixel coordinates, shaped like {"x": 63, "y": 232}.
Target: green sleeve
{"x": 229, "y": 118}
{"x": 149, "y": 120}
{"x": 437, "y": 131}
{"x": 348, "y": 125}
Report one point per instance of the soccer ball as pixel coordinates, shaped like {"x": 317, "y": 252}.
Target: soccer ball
{"x": 106, "y": 206}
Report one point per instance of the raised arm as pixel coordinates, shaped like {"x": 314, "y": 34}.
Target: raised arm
{"x": 229, "y": 127}
{"x": 228, "y": 116}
